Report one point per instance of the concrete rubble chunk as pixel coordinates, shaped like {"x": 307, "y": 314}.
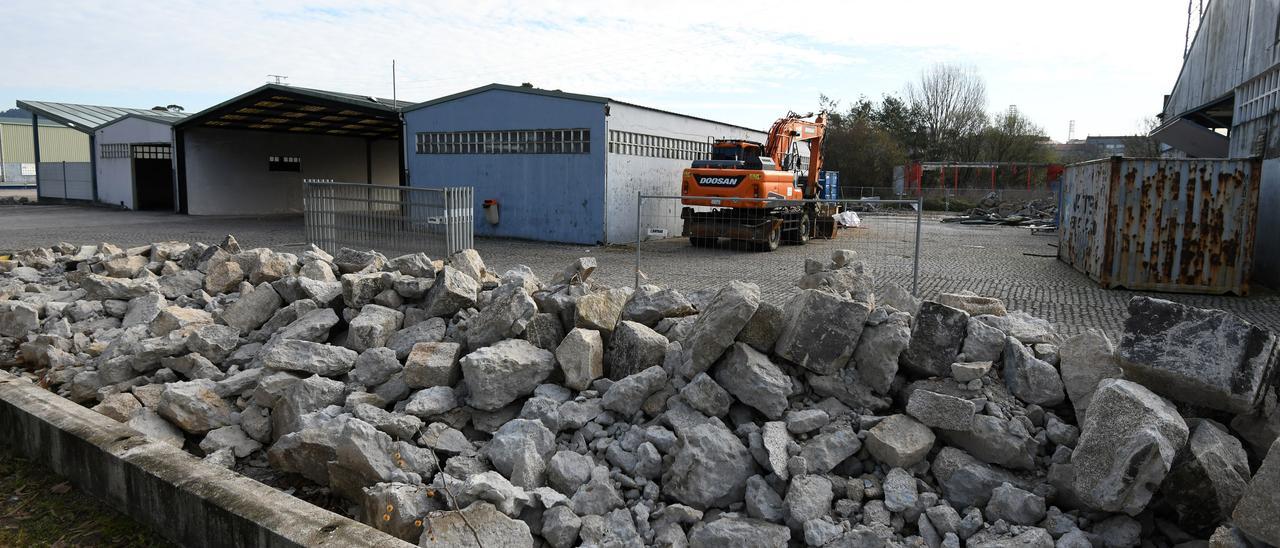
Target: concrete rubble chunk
{"x": 353, "y": 260}
{"x": 1208, "y": 477}
{"x": 581, "y": 358}
{"x": 821, "y": 330}
{"x": 633, "y": 347}
{"x": 969, "y": 371}
{"x": 738, "y": 531}
{"x": 1256, "y": 512}
{"x": 431, "y": 402}
{"x": 776, "y": 439}
{"x": 399, "y": 509}
{"x": 940, "y": 410}
{"x": 100, "y": 288}
{"x": 545, "y": 331}
{"x": 1209, "y": 358}
{"x": 808, "y": 497}
{"x": 710, "y": 468}
{"x": 17, "y": 319}
{"x": 496, "y": 375}
{"x": 935, "y": 339}
{"x": 505, "y": 317}
{"x": 313, "y": 326}
{"x": 625, "y": 396}
{"x": 1014, "y": 506}
{"x": 453, "y": 291}
{"x": 601, "y": 310}
{"x": 1029, "y": 379}
{"x": 879, "y": 348}
{"x": 418, "y": 265}
{"x": 1127, "y": 445}
{"x": 982, "y": 343}
{"x": 229, "y": 437}
{"x": 469, "y": 262}
{"x": 966, "y": 481}
{"x": 375, "y": 366}
{"x": 196, "y": 407}
{"x": 309, "y": 357}
{"x": 142, "y": 310}
{"x": 650, "y": 304}
{"x": 975, "y": 305}
{"x": 577, "y": 272}
{"x": 762, "y": 331}
{"x": 433, "y": 364}
{"x": 250, "y": 311}
{"x": 1084, "y": 360}
{"x": 520, "y": 450}
{"x": 710, "y": 399}
{"x": 214, "y": 342}
{"x": 900, "y": 491}
{"x": 153, "y": 426}
{"x": 997, "y": 441}
{"x": 1020, "y": 325}
{"x": 373, "y": 327}
{"x": 754, "y": 380}
{"x": 899, "y": 440}
{"x": 717, "y": 326}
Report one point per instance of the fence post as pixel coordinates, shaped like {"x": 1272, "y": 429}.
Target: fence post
{"x": 915, "y": 264}
{"x": 639, "y": 200}
{"x": 65, "y": 196}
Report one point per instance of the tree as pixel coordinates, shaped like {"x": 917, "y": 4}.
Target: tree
{"x": 1012, "y": 137}
{"x": 952, "y": 104}
{"x": 1142, "y": 145}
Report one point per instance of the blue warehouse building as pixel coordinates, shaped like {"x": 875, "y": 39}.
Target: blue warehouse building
{"x": 558, "y": 166}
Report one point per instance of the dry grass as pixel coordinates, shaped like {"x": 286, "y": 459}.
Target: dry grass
{"x": 38, "y": 508}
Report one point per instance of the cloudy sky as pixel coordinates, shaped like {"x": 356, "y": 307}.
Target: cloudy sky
{"x": 1104, "y": 64}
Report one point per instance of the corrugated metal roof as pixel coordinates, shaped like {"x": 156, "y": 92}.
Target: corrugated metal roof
{"x": 562, "y": 95}
{"x": 274, "y": 107}
{"x": 26, "y": 121}
{"x": 87, "y": 118}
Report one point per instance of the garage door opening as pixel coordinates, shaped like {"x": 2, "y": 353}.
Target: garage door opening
{"x": 153, "y": 177}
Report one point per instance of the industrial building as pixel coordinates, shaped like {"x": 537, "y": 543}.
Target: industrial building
{"x": 250, "y": 154}
{"x": 557, "y": 166}
{"x": 1226, "y": 103}
{"x": 17, "y": 148}
{"x": 134, "y": 165}
{"x": 77, "y": 180}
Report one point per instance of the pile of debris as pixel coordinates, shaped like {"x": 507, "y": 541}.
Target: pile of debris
{"x": 455, "y": 407}
{"x": 15, "y": 200}
{"x": 993, "y": 211}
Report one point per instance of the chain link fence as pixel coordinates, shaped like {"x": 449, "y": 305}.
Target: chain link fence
{"x": 676, "y": 246}
{"x": 390, "y": 219}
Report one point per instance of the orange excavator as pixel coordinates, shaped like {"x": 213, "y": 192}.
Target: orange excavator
{"x": 756, "y": 191}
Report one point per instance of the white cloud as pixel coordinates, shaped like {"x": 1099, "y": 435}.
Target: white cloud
{"x": 1102, "y": 63}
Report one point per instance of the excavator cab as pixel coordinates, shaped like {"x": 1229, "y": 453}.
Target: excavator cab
{"x": 736, "y": 154}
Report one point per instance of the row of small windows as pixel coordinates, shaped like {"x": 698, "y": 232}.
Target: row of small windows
{"x": 125, "y": 150}
{"x": 521, "y": 141}
{"x": 653, "y": 146}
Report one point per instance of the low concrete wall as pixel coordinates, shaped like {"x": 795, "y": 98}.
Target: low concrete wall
{"x": 184, "y": 499}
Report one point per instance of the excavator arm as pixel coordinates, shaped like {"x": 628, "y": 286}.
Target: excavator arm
{"x": 794, "y": 128}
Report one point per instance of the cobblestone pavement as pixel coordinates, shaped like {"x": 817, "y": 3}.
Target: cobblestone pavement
{"x": 990, "y": 260}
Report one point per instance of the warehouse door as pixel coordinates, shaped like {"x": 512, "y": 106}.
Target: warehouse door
{"x": 152, "y": 177}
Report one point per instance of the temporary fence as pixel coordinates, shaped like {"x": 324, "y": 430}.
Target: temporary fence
{"x": 390, "y": 219}
{"x": 673, "y": 248}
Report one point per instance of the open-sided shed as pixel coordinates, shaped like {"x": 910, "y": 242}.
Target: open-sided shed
{"x": 249, "y": 155}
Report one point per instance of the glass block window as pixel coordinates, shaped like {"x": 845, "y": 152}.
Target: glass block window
{"x": 518, "y": 141}
{"x": 113, "y": 150}
{"x": 653, "y": 146}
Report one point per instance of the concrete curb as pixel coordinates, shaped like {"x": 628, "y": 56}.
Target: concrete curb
{"x": 184, "y": 499}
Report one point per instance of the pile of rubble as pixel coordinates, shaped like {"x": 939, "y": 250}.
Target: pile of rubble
{"x": 455, "y": 407}
{"x": 992, "y": 210}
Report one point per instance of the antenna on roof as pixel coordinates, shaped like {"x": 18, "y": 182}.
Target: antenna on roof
{"x": 279, "y": 79}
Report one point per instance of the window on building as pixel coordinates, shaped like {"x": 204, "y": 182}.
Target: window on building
{"x": 113, "y": 150}
{"x": 520, "y": 141}
{"x": 151, "y": 152}
{"x": 284, "y": 163}
{"x": 653, "y": 146}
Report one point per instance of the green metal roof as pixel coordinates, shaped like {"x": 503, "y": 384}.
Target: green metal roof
{"x": 87, "y": 118}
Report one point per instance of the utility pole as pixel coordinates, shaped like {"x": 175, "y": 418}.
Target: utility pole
{"x": 279, "y": 79}
{"x": 1071, "y": 131}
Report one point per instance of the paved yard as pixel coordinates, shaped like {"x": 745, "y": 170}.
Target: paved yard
{"x": 989, "y": 260}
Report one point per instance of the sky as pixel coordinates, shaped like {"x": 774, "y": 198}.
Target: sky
{"x": 1104, "y": 64}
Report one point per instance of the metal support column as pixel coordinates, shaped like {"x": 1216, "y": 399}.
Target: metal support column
{"x": 35, "y": 145}
{"x": 639, "y": 200}
{"x": 915, "y": 264}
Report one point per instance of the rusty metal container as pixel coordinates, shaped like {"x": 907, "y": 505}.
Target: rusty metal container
{"x": 1161, "y": 224}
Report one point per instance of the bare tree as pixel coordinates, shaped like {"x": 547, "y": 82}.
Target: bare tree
{"x": 1142, "y": 144}
{"x": 953, "y": 102}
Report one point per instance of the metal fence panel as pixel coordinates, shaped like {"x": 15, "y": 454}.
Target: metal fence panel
{"x": 390, "y": 219}
{"x": 886, "y": 239}
{"x": 1184, "y": 225}
{"x": 66, "y": 180}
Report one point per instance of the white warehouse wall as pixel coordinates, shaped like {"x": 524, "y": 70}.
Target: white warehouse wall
{"x": 226, "y": 170}
{"x": 115, "y": 175}
{"x": 626, "y": 175}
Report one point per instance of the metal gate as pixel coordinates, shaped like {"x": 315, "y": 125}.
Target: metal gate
{"x": 65, "y": 180}
{"x": 389, "y": 219}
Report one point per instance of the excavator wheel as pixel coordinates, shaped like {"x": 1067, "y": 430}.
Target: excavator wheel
{"x": 800, "y": 234}
{"x": 771, "y": 244}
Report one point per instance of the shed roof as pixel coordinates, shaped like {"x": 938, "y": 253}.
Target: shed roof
{"x": 26, "y": 121}
{"x": 562, "y": 95}
{"x": 87, "y": 118}
{"x": 292, "y": 109}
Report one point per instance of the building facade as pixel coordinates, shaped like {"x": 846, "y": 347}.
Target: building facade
{"x": 558, "y": 166}
{"x": 17, "y": 148}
